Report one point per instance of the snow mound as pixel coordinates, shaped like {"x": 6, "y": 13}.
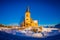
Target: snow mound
{"x": 37, "y": 35}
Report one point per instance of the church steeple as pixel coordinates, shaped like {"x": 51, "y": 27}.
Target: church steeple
{"x": 27, "y": 10}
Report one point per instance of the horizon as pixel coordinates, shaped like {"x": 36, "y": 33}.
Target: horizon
{"x": 45, "y": 11}
{"x": 14, "y": 24}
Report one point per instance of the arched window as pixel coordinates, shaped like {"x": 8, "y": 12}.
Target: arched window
{"x": 26, "y": 19}
{"x": 27, "y": 15}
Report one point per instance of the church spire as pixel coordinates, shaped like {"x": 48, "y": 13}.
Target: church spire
{"x": 27, "y": 10}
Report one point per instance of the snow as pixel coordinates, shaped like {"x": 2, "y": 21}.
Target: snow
{"x": 37, "y": 35}
{"x": 45, "y": 33}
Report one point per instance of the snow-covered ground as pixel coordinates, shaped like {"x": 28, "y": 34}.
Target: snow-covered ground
{"x": 45, "y": 32}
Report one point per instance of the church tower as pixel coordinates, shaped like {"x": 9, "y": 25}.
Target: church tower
{"x": 27, "y": 17}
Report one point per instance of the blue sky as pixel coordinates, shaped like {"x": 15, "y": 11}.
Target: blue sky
{"x": 45, "y": 11}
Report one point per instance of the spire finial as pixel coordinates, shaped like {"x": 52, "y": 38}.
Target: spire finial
{"x": 27, "y": 9}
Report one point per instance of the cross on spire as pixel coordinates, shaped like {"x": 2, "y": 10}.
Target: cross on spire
{"x": 27, "y": 10}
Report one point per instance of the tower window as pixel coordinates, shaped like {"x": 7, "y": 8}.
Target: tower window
{"x": 31, "y": 22}
{"x": 27, "y": 15}
{"x": 26, "y": 19}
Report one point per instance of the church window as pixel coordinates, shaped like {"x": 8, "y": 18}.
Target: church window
{"x": 26, "y": 19}
{"x": 31, "y": 22}
{"x": 27, "y": 15}
{"x": 26, "y": 24}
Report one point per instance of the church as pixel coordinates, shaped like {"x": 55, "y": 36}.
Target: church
{"x": 28, "y": 21}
